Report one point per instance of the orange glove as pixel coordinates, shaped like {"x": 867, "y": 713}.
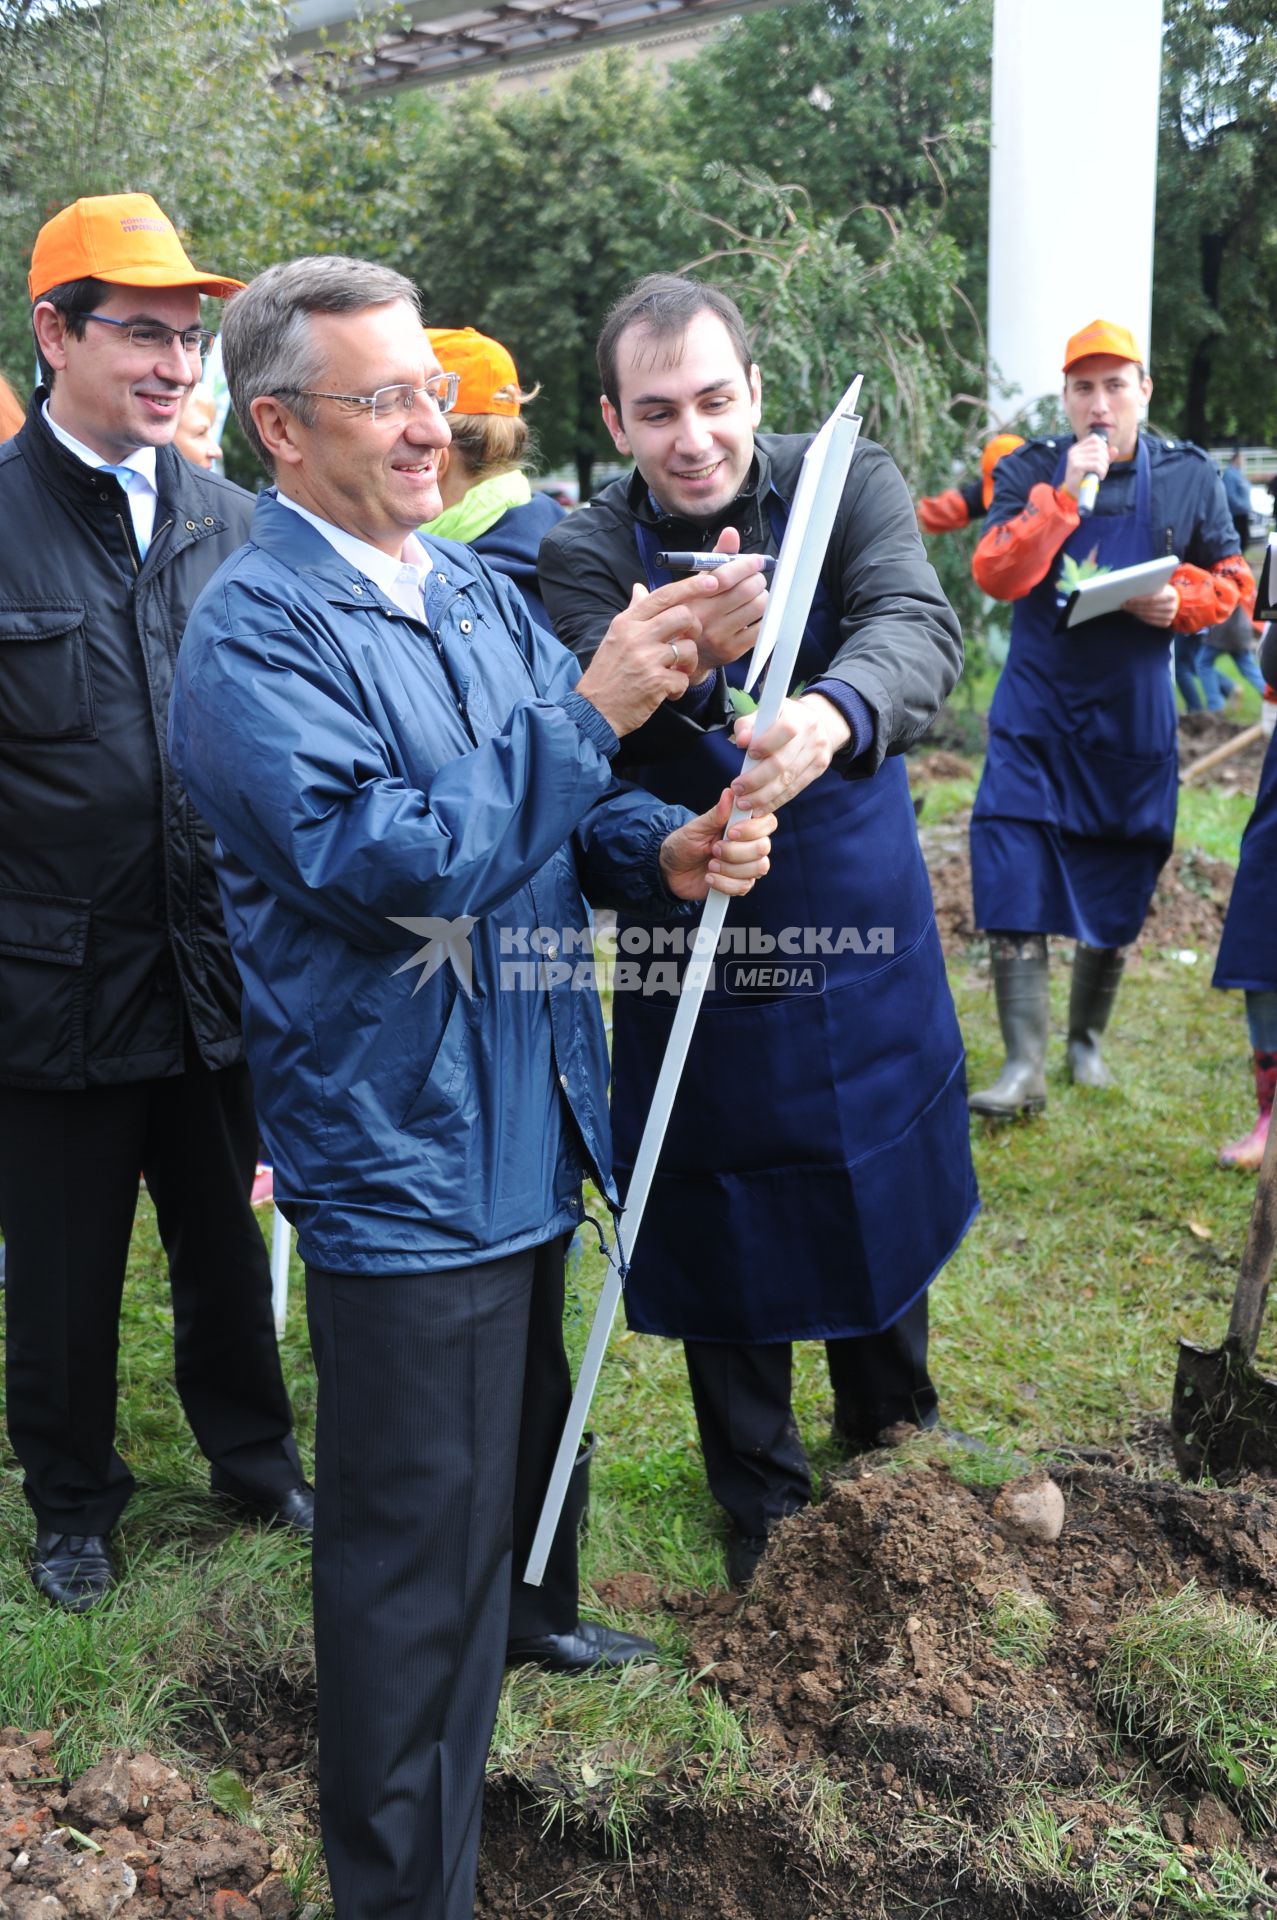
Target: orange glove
{"x": 943, "y": 512}
{"x": 1207, "y": 598}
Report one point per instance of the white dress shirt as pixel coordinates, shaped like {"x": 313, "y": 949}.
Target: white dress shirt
{"x": 401, "y": 580}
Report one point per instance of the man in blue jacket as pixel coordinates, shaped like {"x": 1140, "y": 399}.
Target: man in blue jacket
{"x": 411, "y": 785}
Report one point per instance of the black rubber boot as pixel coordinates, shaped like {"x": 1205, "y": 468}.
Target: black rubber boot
{"x": 1020, "y": 982}
{"x": 1097, "y": 974}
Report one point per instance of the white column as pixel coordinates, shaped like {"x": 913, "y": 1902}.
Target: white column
{"x": 1070, "y": 214}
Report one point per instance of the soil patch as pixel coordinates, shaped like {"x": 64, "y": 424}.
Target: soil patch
{"x": 1187, "y": 910}
{"x": 1201, "y": 733}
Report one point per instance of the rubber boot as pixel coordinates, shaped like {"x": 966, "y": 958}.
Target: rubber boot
{"x": 1097, "y": 974}
{"x": 1246, "y": 1154}
{"x": 1020, "y": 983}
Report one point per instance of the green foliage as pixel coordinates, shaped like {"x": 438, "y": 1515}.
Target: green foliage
{"x": 1215, "y": 279}
{"x": 548, "y": 205}
{"x": 178, "y": 98}
{"x": 865, "y": 104}
{"x": 1193, "y": 1678}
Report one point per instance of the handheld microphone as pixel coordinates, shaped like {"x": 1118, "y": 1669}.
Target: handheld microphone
{"x": 1090, "y": 481}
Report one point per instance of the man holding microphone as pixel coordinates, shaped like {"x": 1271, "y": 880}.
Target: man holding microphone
{"x": 1075, "y": 814}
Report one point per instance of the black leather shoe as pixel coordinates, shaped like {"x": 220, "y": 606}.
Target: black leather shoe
{"x": 294, "y": 1509}
{"x": 587, "y": 1648}
{"x": 72, "y": 1569}
{"x": 744, "y": 1551}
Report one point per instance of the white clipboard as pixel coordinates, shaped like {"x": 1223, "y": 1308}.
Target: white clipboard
{"x": 1107, "y": 592}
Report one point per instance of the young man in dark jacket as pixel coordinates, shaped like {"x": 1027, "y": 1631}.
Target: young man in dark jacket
{"x": 120, "y": 1050}
{"x": 817, "y": 1173}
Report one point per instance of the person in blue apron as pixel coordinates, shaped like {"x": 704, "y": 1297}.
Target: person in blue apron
{"x": 1248, "y": 945}
{"x": 1075, "y": 812}
{"x": 817, "y": 1172}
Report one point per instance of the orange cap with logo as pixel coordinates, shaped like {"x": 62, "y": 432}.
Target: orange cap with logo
{"x": 1102, "y": 336}
{"x": 1001, "y": 443}
{"x": 122, "y": 238}
{"x": 489, "y": 383}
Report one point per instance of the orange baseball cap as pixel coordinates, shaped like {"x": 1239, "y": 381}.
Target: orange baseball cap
{"x": 489, "y": 383}
{"x": 1001, "y": 443}
{"x": 1102, "y": 336}
{"x": 122, "y": 238}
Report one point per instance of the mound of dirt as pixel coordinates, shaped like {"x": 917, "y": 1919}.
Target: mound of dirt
{"x": 868, "y": 1654}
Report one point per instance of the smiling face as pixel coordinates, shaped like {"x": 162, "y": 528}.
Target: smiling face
{"x": 375, "y": 479}
{"x": 1103, "y": 391}
{"x": 686, "y": 415}
{"x": 109, "y": 394}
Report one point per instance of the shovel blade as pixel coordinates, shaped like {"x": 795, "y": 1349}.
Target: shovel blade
{"x": 1223, "y": 1415}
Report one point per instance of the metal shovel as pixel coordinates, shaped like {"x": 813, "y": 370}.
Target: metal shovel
{"x": 1223, "y": 1410}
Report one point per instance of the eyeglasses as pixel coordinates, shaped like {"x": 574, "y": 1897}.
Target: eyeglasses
{"x": 389, "y": 402}
{"x": 148, "y": 336}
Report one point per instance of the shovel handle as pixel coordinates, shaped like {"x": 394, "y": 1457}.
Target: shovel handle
{"x": 1257, "y": 1260}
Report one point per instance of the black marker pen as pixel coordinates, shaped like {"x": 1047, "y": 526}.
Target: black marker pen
{"x": 707, "y": 562}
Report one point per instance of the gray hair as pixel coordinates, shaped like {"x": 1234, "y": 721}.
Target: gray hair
{"x": 267, "y": 346}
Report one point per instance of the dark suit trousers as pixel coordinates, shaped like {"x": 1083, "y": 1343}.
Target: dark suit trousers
{"x": 441, "y": 1400}
{"x": 69, "y": 1166}
{"x": 754, "y": 1459}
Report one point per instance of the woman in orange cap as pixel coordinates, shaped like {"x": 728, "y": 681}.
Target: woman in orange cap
{"x": 488, "y": 502}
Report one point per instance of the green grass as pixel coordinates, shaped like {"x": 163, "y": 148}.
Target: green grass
{"x": 1193, "y": 1679}
{"x": 1132, "y": 1869}
{"x": 1021, "y": 1627}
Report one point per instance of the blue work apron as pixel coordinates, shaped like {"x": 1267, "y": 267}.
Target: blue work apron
{"x": 1248, "y": 944}
{"x": 817, "y": 1171}
{"x": 1075, "y": 813}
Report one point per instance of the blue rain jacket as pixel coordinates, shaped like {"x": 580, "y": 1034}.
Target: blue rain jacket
{"x": 360, "y": 768}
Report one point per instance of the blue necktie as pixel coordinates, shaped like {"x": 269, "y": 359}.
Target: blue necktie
{"x": 127, "y": 476}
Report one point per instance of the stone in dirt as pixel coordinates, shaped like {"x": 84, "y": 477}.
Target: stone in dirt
{"x": 100, "y": 1797}
{"x": 87, "y": 1886}
{"x": 1031, "y": 1508}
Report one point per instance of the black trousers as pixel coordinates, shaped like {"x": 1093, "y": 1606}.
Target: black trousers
{"x": 441, "y": 1401}
{"x": 754, "y": 1458}
{"x": 69, "y": 1166}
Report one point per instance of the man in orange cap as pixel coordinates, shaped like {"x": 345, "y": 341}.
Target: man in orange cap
{"x": 958, "y": 506}
{"x": 1075, "y": 814}
{"x": 120, "y": 1047}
